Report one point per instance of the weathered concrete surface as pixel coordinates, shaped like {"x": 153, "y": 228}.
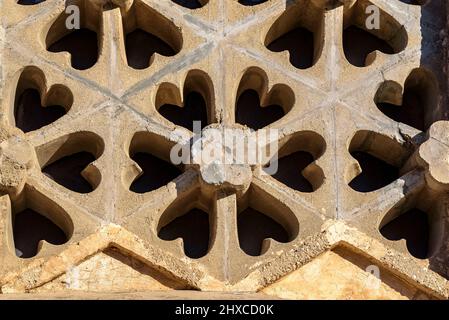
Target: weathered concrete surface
{"x": 146, "y": 295}
{"x": 336, "y": 276}
{"x": 112, "y": 111}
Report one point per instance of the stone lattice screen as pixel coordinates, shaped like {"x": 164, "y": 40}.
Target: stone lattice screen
{"x": 89, "y": 201}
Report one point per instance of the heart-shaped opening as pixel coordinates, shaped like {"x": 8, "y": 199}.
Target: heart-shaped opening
{"x": 35, "y": 219}
{"x": 34, "y": 107}
{"x": 191, "y": 4}
{"x": 194, "y": 109}
{"x": 419, "y": 221}
{"x": 296, "y": 166}
{"x": 262, "y": 217}
{"x": 375, "y": 174}
{"x": 415, "y": 2}
{"x": 366, "y": 31}
{"x": 31, "y": 227}
{"x": 31, "y": 115}
{"x": 148, "y": 32}
{"x": 193, "y": 228}
{"x": 358, "y": 44}
{"x": 290, "y": 171}
{"x": 142, "y": 45}
{"x": 413, "y": 226}
{"x": 251, "y": 2}
{"x": 417, "y": 105}
{"x": 299, "y": 33}
{"x": 196, "y": 104}
{"x": 255, "y": 112}
{"x": 69, "y": 161}
{"x": 254, "y": 227}
{"x": 29, "y": 2}
{"x": 156, "y": 173}
{"x": 188, "y": 218}
{"x": 249, "y": 111}
{"x": 154, "y": 163}
{"x": 67, "y": 171}
{"x": 82, "y": 42}
{"x": 379, "y": 159}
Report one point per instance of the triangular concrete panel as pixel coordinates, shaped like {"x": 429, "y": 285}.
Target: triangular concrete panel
{"x": 343, "y": 274}
{"x": 111, "y": 271}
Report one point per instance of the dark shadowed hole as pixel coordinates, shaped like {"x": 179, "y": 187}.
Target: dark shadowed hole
{"x": 375, "y": 175}
{"x": 109, "y": 6}
{"x": 140, "y": 47}
{"x": 156, "y": 173}
{"x": 191, "y": 4}
{"x": 411, "y": 112}
{"x": 30, "y": 227}
{"x": 29, "y": 2}
{"x": 82, "y": 45}
{"x": 290, "y": 168}
{"x": 67, "y": 171}
{"x": 194, "y": 109}
{"x": 299, "y": 42}
{"x": 31, "y": 115}
{"x": 254, "y": 227}
{"x": 414, "y": 2}
{"x": 251, "y": 2}
{"x": 358, "y": 43}
{"x": 193, "y": 228}
{"x": 413, "y": 226}
{"x": 250, "y": 113}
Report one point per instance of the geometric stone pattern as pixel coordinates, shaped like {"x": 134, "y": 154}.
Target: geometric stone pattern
{"x": 370, "y": 164}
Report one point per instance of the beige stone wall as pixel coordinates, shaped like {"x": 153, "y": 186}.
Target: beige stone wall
{"x": 363, "y": 179}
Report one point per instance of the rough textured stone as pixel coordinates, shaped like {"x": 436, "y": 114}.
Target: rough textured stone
{"x": 320, "y": 279}
{"x": 86, "y": 137}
